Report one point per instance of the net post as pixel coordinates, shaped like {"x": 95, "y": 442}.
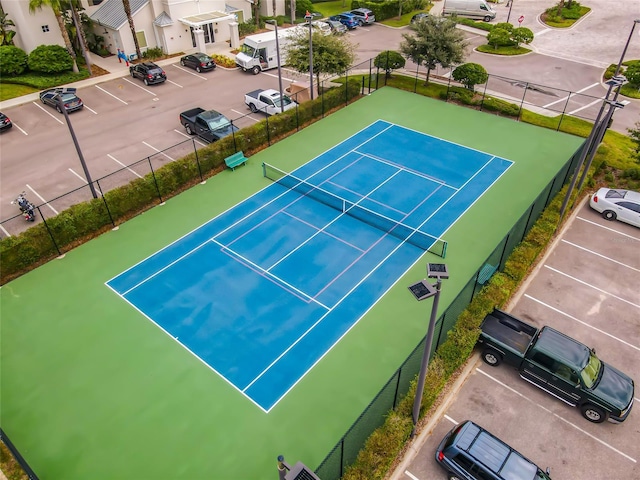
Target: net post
{"x": 264, "y": 169}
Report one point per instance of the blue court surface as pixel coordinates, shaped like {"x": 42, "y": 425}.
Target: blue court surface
{"x": 262, "y": 292}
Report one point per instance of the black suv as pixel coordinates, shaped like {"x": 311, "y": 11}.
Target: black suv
{"x": 149, "y": 72}
{"x": 469, "y": 452}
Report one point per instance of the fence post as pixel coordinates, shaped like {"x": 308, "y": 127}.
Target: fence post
{"x": 362, "y": 85}
{"x": 415, "y": 84}
{"x": 484, "y": 94}
{"x": 155, "y": 180}
{"x": 105, "y": 203}
{"x": 268, "y": 135}
{"x": 233, "y": 134}
{"x": 346, "y": 88}
{"x": 46, "y": 225}
{"x": 522, "y": 101}
{"x": 370, "y": 71}
{"x": 564, "y": 110}
{"x": 195, "y": 151}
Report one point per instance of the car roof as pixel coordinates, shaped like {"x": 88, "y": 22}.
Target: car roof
{"x": 619, "y": 194}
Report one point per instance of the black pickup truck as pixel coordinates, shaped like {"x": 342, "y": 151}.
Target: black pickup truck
{"x": 559, "y": 365}
{"x": 207, "y": 124}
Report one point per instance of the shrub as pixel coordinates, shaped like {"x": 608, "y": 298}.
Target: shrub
{"x": 389, "y": 60}
{"x": 13, "y": 60}
{"x": 470, "y": 75}
{"x": 633, "y": 74}
{"x": 521, "y": 35}
{"x": 223, "y": 60}
{"x": 499, "y": 37}
{"x": 153, "y": 53}
{"x": 50, "y": 59}
{"x": 246, "y": 28}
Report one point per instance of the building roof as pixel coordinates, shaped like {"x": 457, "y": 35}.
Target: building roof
{"x": 111, "y": 13}
{"x": 163, "y": 20}
{"x": 208, "y": 17}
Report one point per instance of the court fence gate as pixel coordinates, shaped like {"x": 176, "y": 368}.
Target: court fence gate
{"x": 344, "y": 453}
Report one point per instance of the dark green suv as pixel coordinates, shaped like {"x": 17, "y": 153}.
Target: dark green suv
{"x": 469, "y": 452}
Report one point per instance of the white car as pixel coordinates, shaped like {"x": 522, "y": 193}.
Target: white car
{"x": 614, "y": 204}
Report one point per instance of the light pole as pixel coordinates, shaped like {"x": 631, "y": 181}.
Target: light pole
{"x": 423, "y": 290}
{"x": 275, "y": 25}
{"x": 308, "y": 18}
{"x": 510, "y": 5}
{"x": 75, "y": 140}
{"x": 599, "y": 129}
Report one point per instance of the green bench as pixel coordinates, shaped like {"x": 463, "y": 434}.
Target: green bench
{"x": 235, "y": 160}
{"x": 486, "y": 273}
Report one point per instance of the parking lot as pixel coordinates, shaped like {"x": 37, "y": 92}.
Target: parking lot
{"x": 587, "y": 287}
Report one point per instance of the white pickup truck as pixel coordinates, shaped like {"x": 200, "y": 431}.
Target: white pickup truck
{"x": 268, "y": 101}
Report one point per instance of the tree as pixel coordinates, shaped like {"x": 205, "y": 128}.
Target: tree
{"x": 470, "y": 75}
{"x": 57, "y": 11}
{"x": 127, "y": 11}
{"x": 632, "y": 73}
{"x": 76, "y": 30}
{"x": 331, "y": 54}
{"x": 6, "y": 31}
{"x": 522, "y": 35}
{"x": 634, "y": 133}
{"x": 389, "y": 60}
{"x": 436, "y": 41}
{"x": 499, "y": 37}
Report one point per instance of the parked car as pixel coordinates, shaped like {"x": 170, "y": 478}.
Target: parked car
{"x": 364, "y": 16}
{"x": 337, "y": 28}
{"x": 323, "y": 27}
{"x": 5, "y": 123}
{"x": 200, "y": 62}
{"x": 70, "y": 100}
{"x": 419, "y": 16}
{"x": 347, "y": 19}
{"x": 468, "y": 451}
{"x": 149, "y": 72}
{"x": 209, "y": 125}
{"x": 614, "y": 204}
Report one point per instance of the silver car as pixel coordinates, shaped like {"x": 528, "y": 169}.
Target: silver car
{"x": 614, "y": 204}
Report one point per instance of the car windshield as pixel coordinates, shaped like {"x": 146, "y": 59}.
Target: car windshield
{"x": 285, "y": 100}
{"x": 248, "y": 50}
{"x": 202, "y": 57}
{"x": 218, "y": 122}
{"x": 591, "y": 371}
{"x": 68, "y": 97}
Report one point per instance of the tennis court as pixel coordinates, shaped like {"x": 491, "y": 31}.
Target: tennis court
{"x": 263, "y": 291}
{"x": 91, "y": 388}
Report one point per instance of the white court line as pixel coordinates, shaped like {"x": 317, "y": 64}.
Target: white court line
{"x": 48, "y": 113}
{"x": 585, "y": 106}
{"x": 608, "y": 228}
{"x": 581, "y": 322}
{"x": 111, "y": 94}
{"x": 601, "y": 256}
{"x": 120, "y": 163}
{"x": 162, "y": 153}
{"x": 43, "y": 200}
{"x": 557, "y": 416}
{"x": 566, "y": 97}
{"x": 591, "y": 286}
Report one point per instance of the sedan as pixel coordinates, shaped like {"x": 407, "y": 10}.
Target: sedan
{"x": 149, "y": 72}
{"x": 70, "y": 100}
{"x": 348, "y": 19}
{"x": 419, "y": 16}
{"x": 336, "y": 27}
{"x": 200, "y": 62}
{"x": 5, "y": 123}
{"x": 614, "y": 204}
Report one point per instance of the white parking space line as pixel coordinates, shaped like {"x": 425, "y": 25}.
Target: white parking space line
{"x": 16, "y": 125}
{"x": 176, "y": 84}
{"x": 84, "y": 180}
{"x": 5, "y": 232}
{"x": 119, "y": 162}
{"x": 189, "y": 71}
{"x": 195, "y": 139}
{"x": 451, "y": 420}
{"x": 557, "y": 416}
{"x": 591, "y": 286}
{"x": 284, "y": 79}
{"x": 585, "y": 106}
{"x": 564, "y": 99}
{"x": 43, "y": 200}
{"x": 92, "y": 111}
{"x": 139, "y": 86}
{"x": 154, "y": 148}
{"x": 245, "y": 115}
{"x": 581, "y": 322}
{"x": 601, "y": 256}
{"x": 48, "y": 113}
{"x": 111, "y": 94}
{"x": 607, "y": 228}
{"x": 410, "y": 475}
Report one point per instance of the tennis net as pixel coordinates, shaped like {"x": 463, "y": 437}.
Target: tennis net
{"x": 410, "y": 235}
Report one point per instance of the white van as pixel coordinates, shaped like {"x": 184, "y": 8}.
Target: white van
{"x": 469, "y": 8}
{"x": 259, "y": 51}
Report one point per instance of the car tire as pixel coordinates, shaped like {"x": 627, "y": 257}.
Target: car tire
{"x": 487, "y": 18}
{"x": 255, "y": 70}
{"x": 453, "y": 476}
{"x": 491, "y": 357}
{"x": 58, "y": 109}
{"x": 593, "y": 414}
{"x": 187, "y": 128}
{"x": 146, "y": 82}
{"x": 253, "y": 108}
{"x": 198, "y": 69}
{"x": 609, "y": 215}
{"x": 132, "y": 74}
{"x": 182, "y": 63}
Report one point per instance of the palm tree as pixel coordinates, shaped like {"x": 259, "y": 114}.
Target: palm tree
{"x": 127, "y": 10}
{"x": 57, "y": 11}
{"x": 6, "y": 32}
{"x": 82, "y": 39}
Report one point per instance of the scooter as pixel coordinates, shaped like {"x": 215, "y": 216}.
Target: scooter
{"x": 26, "y": 207}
